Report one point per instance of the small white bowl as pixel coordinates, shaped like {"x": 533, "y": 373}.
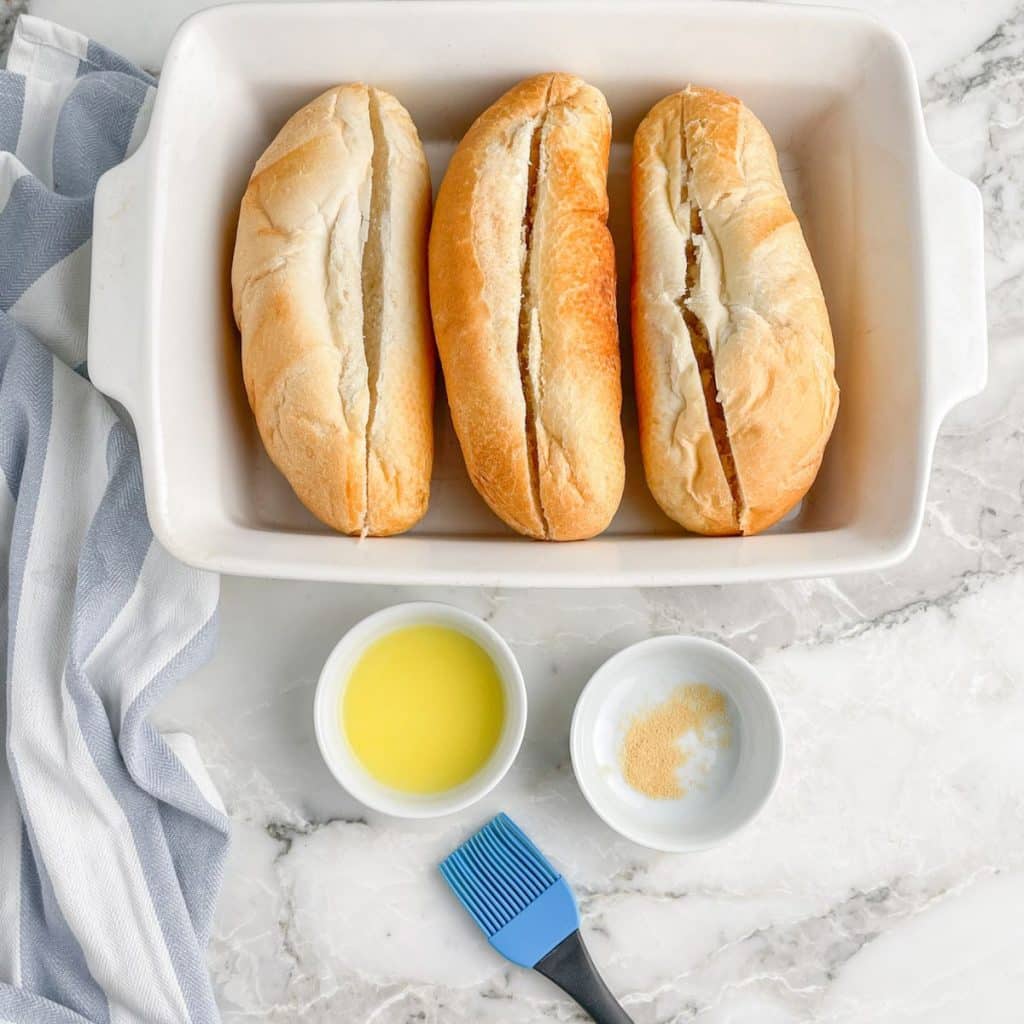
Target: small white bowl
{"x": 334, "y": 745}
{"x": 739, "y": 776}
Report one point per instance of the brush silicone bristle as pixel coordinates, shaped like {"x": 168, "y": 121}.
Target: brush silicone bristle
{"x": 497, "y": 873}
{"x": 519, "y": 901}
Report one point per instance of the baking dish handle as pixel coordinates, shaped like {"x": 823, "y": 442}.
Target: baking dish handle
{"x": 955, "y": 262}
{"x": 119, "y": 294}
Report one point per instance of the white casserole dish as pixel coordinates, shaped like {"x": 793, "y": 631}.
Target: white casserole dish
{"x": 897, "y": 239}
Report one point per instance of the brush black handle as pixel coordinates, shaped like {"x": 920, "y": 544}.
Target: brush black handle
{"x": 569, "y": 966}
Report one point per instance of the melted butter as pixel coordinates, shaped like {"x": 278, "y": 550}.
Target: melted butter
{"x": 423, "y": 709}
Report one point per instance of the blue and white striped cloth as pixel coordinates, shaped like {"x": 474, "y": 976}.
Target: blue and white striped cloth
{"x": 112, "y": 839}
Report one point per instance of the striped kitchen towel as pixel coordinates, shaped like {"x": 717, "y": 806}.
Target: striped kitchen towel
{"x": 112, "y": 839}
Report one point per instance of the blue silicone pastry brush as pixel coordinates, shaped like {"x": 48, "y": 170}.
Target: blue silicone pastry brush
{"x": 528, "y": 913}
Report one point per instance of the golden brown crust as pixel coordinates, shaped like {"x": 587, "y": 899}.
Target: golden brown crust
{"x": 330, "y": 295}
{"x": 557, "y": 366}
{"x": 754, "y": 298}
{"x": 681, "y": 461}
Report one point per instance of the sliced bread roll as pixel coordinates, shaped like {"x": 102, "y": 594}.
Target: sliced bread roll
{"x": 735, "y": 368}
{"x": 522, "y": 290}
{"x": 330, "y": 295}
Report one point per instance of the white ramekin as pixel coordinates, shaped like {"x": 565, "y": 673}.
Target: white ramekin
{"x": 338, "y": 754}
{"x": 642, "y": 675}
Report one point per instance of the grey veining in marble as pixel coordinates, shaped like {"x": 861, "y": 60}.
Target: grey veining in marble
{"x": 885, "y": 881}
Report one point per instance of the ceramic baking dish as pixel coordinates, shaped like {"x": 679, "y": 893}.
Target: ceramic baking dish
{"x": 897, "y": 239}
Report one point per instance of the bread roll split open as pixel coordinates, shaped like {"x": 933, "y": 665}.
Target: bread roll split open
{"x": 735, "y": 369}
{"x": 330, "y": 295}
{"x": 522, "y": 289}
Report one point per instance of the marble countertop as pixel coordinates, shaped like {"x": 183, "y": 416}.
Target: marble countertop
{"x": 885, "y": 880}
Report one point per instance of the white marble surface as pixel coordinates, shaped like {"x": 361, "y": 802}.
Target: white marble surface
{"x": 885, "y": 882}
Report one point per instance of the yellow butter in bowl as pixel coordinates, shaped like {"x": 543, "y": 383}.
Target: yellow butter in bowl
{"x": 423, "y": 709}
{"x": 420, "y": 710}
